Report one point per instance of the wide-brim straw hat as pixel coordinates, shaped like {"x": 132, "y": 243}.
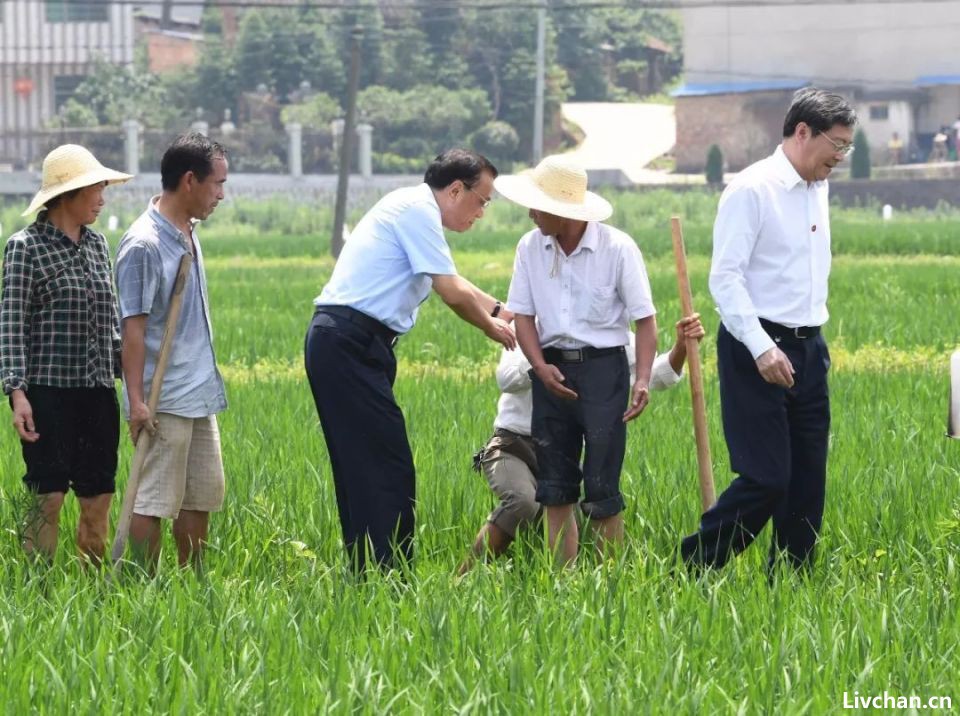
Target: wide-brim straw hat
{"x": 557, "y": 185}
{"x": 70, "y": 167}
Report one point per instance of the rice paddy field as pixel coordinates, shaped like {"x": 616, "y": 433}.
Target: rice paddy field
{"x": 275, "y": 626}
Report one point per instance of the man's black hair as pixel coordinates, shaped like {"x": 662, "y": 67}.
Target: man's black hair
{"x": 818, "y": 109}
{"x": 456, "y": 164}
{"x": 191, "y": 152}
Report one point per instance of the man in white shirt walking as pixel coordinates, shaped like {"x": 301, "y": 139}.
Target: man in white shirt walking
{"x": 771, "y": 260}
{"x": 508, "y": 461}
{"x": 577, "y": 285}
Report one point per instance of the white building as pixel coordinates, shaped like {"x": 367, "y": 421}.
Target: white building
{"x": 897, "y": 61}
{"x": 47, "y": 47}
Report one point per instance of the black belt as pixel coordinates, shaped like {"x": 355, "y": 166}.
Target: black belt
{"x": 577, "y": 355}
{"x": 783, "y": 332}
{"x": 504, "y": 433}
{"x": 361, "y": 319}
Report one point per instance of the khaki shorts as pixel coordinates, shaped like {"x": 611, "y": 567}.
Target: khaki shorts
{"x": 183, "y": 469}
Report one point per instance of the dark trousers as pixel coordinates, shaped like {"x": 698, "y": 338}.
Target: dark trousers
{"x": 79, "y": 433}
{"x": 351, "y": 373}
{"x": 591, "y": 426}
{"x": 777, "y": 439}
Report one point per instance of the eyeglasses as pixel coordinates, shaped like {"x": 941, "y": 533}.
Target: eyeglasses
{"x": 484, "y": 203}
{"x": 843, "y": 148}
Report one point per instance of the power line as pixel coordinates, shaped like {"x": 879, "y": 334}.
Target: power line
{"x": 505, "y": 4}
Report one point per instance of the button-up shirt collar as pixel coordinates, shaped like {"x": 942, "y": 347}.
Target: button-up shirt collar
{"x": 588, "y": 241}
{"x": 586, "y": 298}
{"x": 782, "y": 168}
{"x": 167, "y": 227}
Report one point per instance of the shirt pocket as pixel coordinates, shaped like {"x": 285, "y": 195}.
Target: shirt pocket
{"x": 600, "y": 305}
{"x": 62, "y": 288}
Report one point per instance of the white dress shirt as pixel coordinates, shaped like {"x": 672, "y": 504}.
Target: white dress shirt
{"x": 515, "y": 407}
{"x": 587, "y": 298}
{"x": 771, "y": 251}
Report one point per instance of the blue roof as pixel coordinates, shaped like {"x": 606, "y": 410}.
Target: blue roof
{"x": 702, "y": 89}
{"x": 937, "y": 80}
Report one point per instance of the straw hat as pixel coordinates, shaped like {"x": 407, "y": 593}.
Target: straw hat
{"x": 557, "y": 185}
{"x": 70, "y": 167}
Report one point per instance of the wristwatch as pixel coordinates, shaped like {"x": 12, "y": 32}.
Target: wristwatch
{"x": 496, "y": 309}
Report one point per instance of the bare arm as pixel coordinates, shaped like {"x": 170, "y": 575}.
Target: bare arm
{"x": 459, "y": 295}
{"x": 646, "y": 349}
{"x": 549, "y": 374}
{"x": 689, "y": 327}
{"x": 488, "y": 302}
{"x": 133, "y": 359}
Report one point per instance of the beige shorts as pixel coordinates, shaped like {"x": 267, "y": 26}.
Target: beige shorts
{"x": 183, "y": 469}
{"x": 513, "y": 482}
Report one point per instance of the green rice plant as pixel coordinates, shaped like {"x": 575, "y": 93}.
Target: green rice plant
{"x": 275, "y": 624}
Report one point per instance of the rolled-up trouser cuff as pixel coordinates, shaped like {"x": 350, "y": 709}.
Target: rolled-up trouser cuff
{"x": 551, "y": 494}
{"x": 607, "y": 507}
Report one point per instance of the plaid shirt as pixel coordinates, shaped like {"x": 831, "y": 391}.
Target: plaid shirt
{"x": 58, "y": 317}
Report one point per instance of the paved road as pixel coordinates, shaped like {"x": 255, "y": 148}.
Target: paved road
{"x": 624, "y": 136}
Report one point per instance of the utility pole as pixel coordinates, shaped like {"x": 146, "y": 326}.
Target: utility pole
{"x": 166, "y": 16}
{"x": 538, "y": 91}
{"x": 346, "y": 143}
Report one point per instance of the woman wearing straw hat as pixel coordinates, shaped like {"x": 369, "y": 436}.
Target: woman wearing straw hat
{"x": 577, "y": 284}
{"x": 59, "y": 351}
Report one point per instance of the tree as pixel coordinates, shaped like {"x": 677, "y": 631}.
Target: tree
{"x": 628, "y": 34}
{"x": 497, "y": 141}
{"x": 403, "y": 128}
{"x": 714, "y": 169}
{"x": 860, "y": 161}
{"x": 408, "y": 60}
{"x": 444, "y": 29}
{"x": 253, "y": 55}
{"x": 322, "y": 66}
{"x": 584, "y": 49}
{"x": 370, "y": 18}
{"x": 213, "y": 84}
{"x": 316, "y": 112}
{"x": 502, "y": 56}
{"x": 111, "y": 93}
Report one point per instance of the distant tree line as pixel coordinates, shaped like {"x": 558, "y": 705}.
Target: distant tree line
{"x": 428, "y": 80}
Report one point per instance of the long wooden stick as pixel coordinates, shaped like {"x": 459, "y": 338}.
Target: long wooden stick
{"x": 708, "y": 495}
{"x": 143, "y": 440}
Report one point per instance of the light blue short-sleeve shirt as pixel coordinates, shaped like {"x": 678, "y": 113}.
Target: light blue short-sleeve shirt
{"x": 148, "y": 259}
{"x": 386, "y": 265}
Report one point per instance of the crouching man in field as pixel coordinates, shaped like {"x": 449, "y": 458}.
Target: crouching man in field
{"x": 508, "y": 461}
{"x": 577, "y": 284}
{"x": 182, "y": 477}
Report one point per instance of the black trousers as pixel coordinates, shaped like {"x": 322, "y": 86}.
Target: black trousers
{"x": 351, "y": 373}
{"x": 777, "y": 439}
{"x": 79, "y": 433}
{"x": 591, "y": 426}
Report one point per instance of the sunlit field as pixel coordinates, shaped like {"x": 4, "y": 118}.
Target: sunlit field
{"x": 276, "y": 626}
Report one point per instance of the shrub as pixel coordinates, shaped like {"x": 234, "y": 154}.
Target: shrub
{"x": 714, "y": 165}
{"x": 497, "y": 141}
{"x": 860, "y": 160}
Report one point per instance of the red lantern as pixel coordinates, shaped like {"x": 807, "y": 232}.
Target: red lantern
{"x": 23, "y": 86}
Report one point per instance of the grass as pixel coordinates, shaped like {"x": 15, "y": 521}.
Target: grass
{"x": 275, "y": 627}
